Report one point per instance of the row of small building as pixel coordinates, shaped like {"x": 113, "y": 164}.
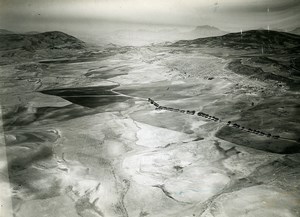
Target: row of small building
{"x": 207, "y": 116}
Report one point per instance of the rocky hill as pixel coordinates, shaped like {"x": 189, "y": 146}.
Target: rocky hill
{"x": 46, "y": 40}
{"x": 249, "y": 40}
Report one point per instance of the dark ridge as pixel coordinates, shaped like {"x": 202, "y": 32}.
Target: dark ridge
{"x": 253, "y": 39}
{"x": 46, "y": 40}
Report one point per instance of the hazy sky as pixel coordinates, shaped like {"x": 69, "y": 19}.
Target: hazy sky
{"x": 230, "y": 15}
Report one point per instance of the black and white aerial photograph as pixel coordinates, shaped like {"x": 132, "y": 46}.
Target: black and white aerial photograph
{"x": 149, "y": 108}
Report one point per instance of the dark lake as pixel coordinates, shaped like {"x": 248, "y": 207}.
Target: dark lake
{"x": 90, "y": 97}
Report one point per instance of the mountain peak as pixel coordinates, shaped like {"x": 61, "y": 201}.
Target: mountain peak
{"x": 206, "y": 31}
{"x": 206, "y": 27}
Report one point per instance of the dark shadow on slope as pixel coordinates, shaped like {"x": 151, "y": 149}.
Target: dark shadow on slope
{"x": 278, "y": 115}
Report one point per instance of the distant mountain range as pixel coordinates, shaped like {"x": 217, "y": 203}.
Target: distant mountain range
{"x": 136, "y": 37}
{"x": 149, "y": 36}
{"x": 46, "y": 40}
{"x": 200, "y": 36}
